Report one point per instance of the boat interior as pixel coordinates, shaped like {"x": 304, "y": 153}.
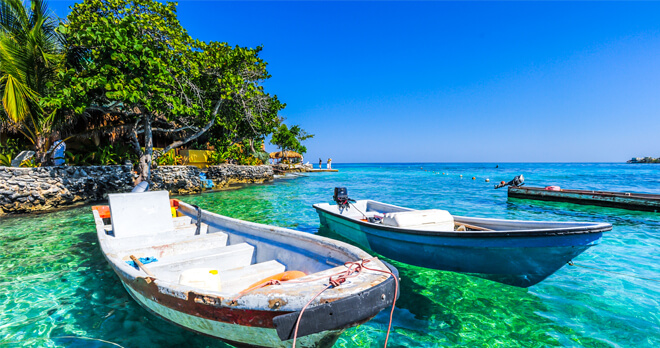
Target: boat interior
{"x": 226, "y": 256}
{"x": 439, "y": 220}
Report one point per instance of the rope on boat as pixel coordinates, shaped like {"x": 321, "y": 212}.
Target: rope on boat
{"x": 353, "y": 269}
{"x": 571, "y": 263}
{"x": 341, "y": 278}
{"x": 199, "y": 219}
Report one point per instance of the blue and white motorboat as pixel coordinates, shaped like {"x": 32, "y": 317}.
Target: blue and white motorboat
{"x": 519, "y": 253}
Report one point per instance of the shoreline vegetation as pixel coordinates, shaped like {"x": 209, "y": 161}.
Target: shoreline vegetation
{"x": 123, "y": 81}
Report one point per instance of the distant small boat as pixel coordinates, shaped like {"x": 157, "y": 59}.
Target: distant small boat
{"x": 520, "y": 253}
{"x": 242, "y": 282}
{"x": 623, "y": 200}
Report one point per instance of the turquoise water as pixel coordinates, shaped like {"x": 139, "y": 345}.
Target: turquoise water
{"x": 57, "y": 290}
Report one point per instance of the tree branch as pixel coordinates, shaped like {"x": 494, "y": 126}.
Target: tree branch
{"x": 194, "y": 136}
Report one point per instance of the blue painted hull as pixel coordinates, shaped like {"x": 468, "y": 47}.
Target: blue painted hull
{"x": 515, "y": 259}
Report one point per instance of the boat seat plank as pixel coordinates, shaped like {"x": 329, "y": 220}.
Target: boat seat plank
{"x": 224, "y": 258}
{"x": 181, "y": 221}
{"x": 164, "y": 237}
{"x": 238, "y": 279}
{"x": 203, "y": 242}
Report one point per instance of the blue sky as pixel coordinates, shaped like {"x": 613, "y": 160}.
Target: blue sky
{"x": 454, "y": 81}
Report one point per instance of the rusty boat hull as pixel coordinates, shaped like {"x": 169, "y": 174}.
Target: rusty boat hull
{"x": 230, "y": 310}
{"x": 622, "y": 200}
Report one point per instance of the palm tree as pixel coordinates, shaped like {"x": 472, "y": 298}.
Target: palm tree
{"x": 30, "y": 56}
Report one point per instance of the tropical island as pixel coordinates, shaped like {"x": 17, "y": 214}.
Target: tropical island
{"x": 121, "y": 83}
{"x": 644, "y": 160}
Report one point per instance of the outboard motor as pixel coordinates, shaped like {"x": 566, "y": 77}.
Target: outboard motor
{"x": 341, "y": 198}
{"x": 516, "y": 182}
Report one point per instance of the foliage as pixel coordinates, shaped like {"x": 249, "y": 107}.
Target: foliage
{"x": 5, "y": 160}
{"x": 217, "y": 157}
{"x": 290, "y": 139}
{"x": 241, "y": 153}
{"x": 99, "y": 156}
{"x": 78, "y": 159}
{"x": 263, "y": 156}
{"x": 133, "y": 59}
{"x": 106, "y": 156}
{"x": 31, "y": 162}
{"x": 250, "y": 161}
{"x": 10, "y": 148}
{"x": 169, "y": 158}
{"x": 30, "y": 57}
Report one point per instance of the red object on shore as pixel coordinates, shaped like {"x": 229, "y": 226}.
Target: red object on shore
{"x": 553, "y": 188}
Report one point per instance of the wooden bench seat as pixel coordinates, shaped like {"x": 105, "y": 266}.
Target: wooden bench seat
{"x": 166, "y": 249}
{"x": 238, "y": 279}
{"x": 224, "y": 258}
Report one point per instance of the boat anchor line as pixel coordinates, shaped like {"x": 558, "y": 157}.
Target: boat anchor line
{"x": 353, "y": 269}
{"x": 571, "y": 263}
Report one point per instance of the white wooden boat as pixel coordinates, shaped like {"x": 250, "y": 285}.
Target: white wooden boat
{"x": 519, "y": 253}
{"x": 210, "y": 277}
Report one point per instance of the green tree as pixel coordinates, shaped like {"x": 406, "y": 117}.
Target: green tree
{"x": 134, "y": 60}
{"x": 290, "y": 138}
{"x": 30, "y": 57}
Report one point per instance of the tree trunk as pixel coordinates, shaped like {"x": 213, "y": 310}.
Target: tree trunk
{"x": 145, "y": 159}
{"x": 41, "y": 150}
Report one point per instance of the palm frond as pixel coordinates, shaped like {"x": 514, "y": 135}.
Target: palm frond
{"x": 17, "y": 98}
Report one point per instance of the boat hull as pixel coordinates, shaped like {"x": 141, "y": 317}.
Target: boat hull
{"x": 243, "y": 315}
{"x": 515, "y": 260}
{"x": 246, "y": 328}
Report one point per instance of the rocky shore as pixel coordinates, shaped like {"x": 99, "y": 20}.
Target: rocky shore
{"x": 26, "y": 190}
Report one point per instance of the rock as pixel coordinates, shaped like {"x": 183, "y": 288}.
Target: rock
{"x": 24, "y": 190}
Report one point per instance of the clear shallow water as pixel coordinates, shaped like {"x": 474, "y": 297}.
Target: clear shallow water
{"x": 57, "y": 290}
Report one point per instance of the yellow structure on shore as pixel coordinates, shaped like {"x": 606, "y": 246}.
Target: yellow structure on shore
{"x": 197, "y": 158}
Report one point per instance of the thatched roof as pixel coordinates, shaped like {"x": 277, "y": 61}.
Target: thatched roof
{"x": 286, "y": 154}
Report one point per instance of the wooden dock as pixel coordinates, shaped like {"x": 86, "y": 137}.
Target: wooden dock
{"x": 322, "y": 170}
{"x": 623, "y": 200}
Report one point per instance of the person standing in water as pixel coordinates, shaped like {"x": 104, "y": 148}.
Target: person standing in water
{"x": 329, "y": 163}
{"x": 320, "y": 164}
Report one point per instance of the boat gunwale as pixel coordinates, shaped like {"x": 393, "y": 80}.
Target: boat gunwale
{"x": 596, "y": 227}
